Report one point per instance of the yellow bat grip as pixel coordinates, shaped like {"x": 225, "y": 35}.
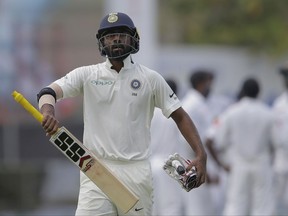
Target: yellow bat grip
{"x": 29, "y": 107}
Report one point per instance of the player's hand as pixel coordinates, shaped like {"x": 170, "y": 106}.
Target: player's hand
{"x": 49, "y": 122}
{"x": 200, "y": 164}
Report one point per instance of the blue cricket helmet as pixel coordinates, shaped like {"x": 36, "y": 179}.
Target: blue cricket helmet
{"x": 116, "y": 20}
{"x": 112, "y": 22}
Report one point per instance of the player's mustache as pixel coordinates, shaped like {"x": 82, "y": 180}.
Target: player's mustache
{"x": 118, "y": 45}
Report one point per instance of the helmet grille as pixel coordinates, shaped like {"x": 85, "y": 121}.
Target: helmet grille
{"x": 118, "y": 45}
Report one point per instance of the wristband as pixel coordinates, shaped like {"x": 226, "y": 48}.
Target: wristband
{"x": 46, "y": 99}
{"x": 46, "y": 91}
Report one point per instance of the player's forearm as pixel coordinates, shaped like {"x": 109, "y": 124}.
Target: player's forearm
{"x": 189, "y": 132}
{"x": 47, "y": 109}
{"x": 213, "y": 152}
{"x": 191, "y": 135}
{"x": 210, "y": 148}
{"x": 47, "y": 98}
{"x": 49, "y": 123}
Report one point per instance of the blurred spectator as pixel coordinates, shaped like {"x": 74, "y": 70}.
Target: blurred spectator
{"x": 164, "y": 142}
{"x": 246, "y": 128}
{"x": 280, "y": 138}
{"x": 195, "y": 104}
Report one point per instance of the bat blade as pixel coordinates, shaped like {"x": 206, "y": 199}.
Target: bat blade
{"x": 92, "y": 167}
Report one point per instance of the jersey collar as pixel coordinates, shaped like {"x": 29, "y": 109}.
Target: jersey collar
{"x": 128, "y": 63}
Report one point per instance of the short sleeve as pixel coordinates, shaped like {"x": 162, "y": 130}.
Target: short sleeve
{"x": 72, "y": 83}
{"x": 164, "y": 97}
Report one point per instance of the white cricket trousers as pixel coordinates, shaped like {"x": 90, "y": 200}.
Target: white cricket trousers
{"x": 136, "y": 175}
{"x": 250, "y": 190}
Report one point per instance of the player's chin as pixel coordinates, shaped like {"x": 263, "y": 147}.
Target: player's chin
{"x": 117, "y": 52}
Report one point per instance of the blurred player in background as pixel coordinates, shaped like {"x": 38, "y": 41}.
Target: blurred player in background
{"x": 220, "y": 154}
{"x": 280, "y": 138}
{"x": 245, "y": 128}
{"x": 119, "y": 98}
{"x": 195, "y": 103}
{"x": 217, "y": 104}
{"x": 164, "y": 142}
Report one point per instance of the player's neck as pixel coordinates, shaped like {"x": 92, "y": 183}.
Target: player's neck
{"x": 116, "y": 65}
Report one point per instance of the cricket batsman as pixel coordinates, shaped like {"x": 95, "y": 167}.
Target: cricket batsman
{"x": 119, "y": 98}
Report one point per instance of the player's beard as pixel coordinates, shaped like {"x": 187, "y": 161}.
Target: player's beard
{"x": 118, "y": 52}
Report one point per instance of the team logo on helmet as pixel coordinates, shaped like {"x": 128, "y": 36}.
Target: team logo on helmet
{"x": 135, "y": 84}
{"x": 112, "y": 17}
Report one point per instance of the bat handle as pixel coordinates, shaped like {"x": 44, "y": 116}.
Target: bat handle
{"x": 28, "y": 106}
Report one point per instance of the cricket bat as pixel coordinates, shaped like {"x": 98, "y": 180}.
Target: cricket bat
{"x": 92, "y": 167}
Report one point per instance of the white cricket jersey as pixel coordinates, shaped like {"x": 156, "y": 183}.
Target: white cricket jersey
{"x": 118, "y": 107}
{"x": 247, "y": 126}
